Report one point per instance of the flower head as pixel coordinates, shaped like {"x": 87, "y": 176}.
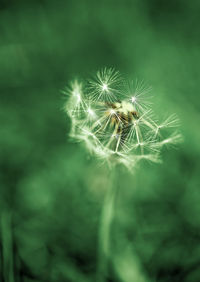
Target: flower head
{"x": 115, "y": 120}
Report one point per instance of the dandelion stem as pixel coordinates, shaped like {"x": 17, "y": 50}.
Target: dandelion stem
{"x": 106, "y": 219}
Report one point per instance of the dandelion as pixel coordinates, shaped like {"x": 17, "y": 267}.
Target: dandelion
{"x": 116, "y": 121}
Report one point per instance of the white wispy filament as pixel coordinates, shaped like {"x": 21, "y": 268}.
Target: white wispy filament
{"x": 114, "y": 119}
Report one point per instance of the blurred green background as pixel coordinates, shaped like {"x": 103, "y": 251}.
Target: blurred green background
{"x": 51, "y": 189}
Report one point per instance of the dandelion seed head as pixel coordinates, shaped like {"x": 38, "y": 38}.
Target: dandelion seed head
{"x": 91, "y": 112}
{"x": 127, "y": 107}
{"x": 133, "y": 99}
{"x": 105, "y": 87}
{"x": 115, "y": 121}
{"x": 112, "y": 112}
{"x": 78, "y": 97}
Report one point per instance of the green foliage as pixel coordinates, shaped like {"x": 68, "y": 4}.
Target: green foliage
{"x": 51, "y": 190}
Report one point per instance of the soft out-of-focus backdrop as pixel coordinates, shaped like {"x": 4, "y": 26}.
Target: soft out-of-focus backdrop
{"x": 51, "y": 190}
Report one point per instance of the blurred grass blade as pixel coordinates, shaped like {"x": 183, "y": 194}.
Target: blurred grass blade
{"x": 7, "y": 244}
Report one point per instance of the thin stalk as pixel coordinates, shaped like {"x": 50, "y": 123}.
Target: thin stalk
{"x": 106, "y": 219}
